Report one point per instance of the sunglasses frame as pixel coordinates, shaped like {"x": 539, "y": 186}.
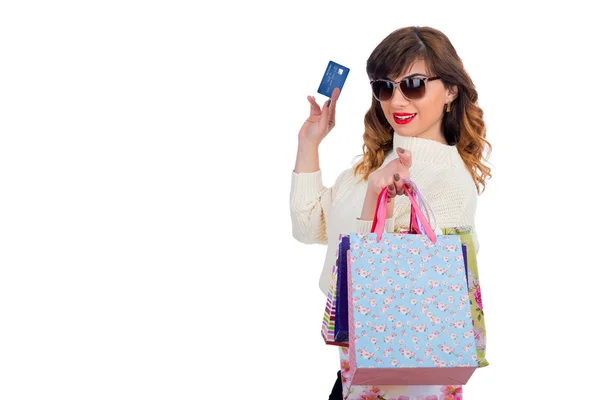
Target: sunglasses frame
{"x": 397, "y": 86}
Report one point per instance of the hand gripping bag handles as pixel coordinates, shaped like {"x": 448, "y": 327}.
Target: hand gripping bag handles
{"x": 409, "y": 318}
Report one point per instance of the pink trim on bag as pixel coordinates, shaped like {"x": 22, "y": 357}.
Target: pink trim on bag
{"x": 411, "y": 376}
{"x": 351, "y": 333}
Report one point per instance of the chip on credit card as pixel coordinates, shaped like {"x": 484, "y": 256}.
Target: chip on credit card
{"x": 335, "y": 76}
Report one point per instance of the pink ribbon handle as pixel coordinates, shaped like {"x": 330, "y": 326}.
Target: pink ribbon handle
{"x": 380, "y": 214}
{"x": 416, "y": 210}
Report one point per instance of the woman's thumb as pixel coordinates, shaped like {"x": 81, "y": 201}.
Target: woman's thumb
{"x": 405, "y": 156}
{"x": 324, "y": 121}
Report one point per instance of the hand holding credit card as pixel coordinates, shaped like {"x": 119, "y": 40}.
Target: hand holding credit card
{"x": 322, "y": 120}
{"x": 335, "y": 76}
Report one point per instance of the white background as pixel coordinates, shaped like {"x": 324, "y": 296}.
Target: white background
{"x": 145, "y": 165}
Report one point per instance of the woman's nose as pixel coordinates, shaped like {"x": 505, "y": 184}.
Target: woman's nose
{"x": 398, "y": 99}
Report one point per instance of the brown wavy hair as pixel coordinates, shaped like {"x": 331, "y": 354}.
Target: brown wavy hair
{"x": 463, "y": 126}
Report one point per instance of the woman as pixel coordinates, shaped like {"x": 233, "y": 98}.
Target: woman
{"x": 423, "y": 123}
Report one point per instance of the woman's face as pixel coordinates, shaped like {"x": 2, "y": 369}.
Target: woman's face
{"x": 428, "y": 110}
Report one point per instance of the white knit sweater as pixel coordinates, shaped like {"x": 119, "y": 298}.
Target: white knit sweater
{"x": 321, "y": 214}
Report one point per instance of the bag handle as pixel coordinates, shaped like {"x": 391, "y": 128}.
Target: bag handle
{"x": 425, "y": 207}
{"x": 381, "y": 213}
{"x": 423, "y": 223}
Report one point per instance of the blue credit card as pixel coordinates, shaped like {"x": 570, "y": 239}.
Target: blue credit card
{"x": 335, "y": 76}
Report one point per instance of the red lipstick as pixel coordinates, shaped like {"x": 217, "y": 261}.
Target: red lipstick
{"x": 403, "y": 118}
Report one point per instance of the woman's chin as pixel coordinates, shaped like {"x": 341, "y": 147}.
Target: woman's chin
{"x": 402, "y": 131}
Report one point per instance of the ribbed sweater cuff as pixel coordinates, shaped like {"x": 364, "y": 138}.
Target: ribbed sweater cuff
{"x": 310, "y": 184}
{"x": 363, "y": 226}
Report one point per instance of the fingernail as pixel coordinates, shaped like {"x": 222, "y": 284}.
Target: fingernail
{"x": 328, "y": 102}
{"x": 400, "y": 149}
{"x": 396, "y": 176}
{"x": 391, "y": 187}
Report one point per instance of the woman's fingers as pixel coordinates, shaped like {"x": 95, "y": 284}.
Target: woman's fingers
{"x": 315, "y": 110}
{"x": 398, "y": 183}
{"x": 396, "y": 188}
{"x": 409, "y": 186}
{"x": 334, "y": 98}
{"x": 324, "y": 119}
{"x": 405, "y": 157}
{"x": 325, "y": 116}
{"x": 391, "y": 191}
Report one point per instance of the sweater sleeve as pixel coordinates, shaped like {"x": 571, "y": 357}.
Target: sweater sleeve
{"x": 310, "y": 202}
{"x": 469, "y": 209}
{"x": 455, "y": 204}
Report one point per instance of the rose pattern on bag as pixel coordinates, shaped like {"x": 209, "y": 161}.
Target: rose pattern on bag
{"x": 429, "y": 331}
{"x": 451, "y": 393}
{"x": 376, "y": 393}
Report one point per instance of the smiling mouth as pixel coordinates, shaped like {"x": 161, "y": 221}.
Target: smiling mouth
{"x": 404, "y": 119}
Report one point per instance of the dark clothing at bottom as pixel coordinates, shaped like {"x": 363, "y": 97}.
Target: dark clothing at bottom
{"x": 336, "y": 392}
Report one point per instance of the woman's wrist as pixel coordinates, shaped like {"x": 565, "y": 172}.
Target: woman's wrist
{"x": 305, "y": 143}
{"x": 307, "y": 157}
{"x": 370, "y": 203}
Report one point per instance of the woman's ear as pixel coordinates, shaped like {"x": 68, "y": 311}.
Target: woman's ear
{"x": 451, "y": 93}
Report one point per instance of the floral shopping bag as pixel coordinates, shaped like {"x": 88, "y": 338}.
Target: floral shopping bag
{"x": 474, "y": 290}
{"x": 409, "y": 316}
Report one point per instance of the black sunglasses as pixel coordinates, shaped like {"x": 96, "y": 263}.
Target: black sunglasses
{"x": 411, "y": 88}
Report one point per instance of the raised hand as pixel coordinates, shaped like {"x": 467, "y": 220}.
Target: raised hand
{"x": 320, "y": 121}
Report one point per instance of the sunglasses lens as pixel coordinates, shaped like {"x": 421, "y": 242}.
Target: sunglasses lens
{"x": 413, "y": 88}
{"x": 382, "y": 90}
